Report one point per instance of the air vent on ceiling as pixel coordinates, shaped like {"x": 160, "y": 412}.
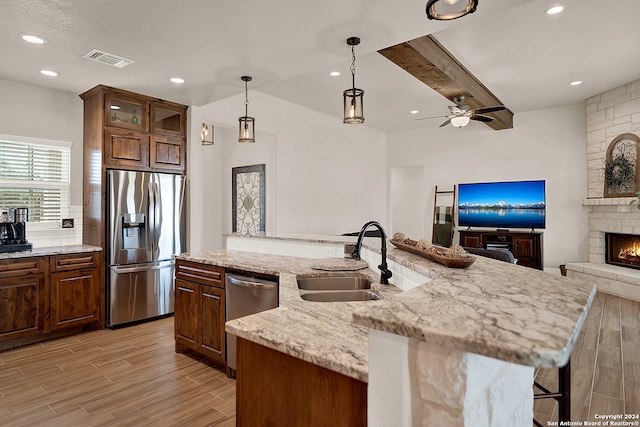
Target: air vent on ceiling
{"x": 108, "y": 58}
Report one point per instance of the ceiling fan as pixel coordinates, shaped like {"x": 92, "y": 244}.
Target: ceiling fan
{"x": 462, "y": 114}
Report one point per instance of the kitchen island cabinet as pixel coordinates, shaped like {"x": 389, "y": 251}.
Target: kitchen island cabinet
{"x": 49, "y": 292}
{"x": 199, "y": 310}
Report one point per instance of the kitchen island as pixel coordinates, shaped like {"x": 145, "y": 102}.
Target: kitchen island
{"x": 491, "y": 320}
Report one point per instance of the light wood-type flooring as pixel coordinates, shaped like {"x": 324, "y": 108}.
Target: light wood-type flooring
{"x": 124, "y": 377}
{"x": 605, "y": 364}
{"x": 133, "y": 377}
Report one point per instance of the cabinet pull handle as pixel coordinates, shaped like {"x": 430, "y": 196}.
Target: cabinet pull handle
{"x": 180, "y": 288}
{"x": 210, "y": 295}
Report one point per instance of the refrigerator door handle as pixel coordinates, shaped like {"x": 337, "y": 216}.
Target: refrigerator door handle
{"x": 152, "y": 218}
{"x": 157, "y": 215}
{"x": 137, "y": 269}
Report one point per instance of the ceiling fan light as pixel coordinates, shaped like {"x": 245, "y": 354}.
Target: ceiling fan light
{"x": 460, "y": 121}
{"x": 446, "y": 10}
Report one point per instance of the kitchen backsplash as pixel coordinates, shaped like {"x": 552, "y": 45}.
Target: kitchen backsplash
{"x": 58, "y": 236}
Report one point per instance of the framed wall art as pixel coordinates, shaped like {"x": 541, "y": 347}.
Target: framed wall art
{"x": 248, "y": 199}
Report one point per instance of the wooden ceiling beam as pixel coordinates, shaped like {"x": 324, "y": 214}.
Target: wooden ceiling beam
{"x": 428, "y": 61}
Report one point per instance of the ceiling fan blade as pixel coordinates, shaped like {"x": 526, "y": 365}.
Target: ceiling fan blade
{"x": 445, "y": 123}
{"x": 426, "y": 118}
{"x": 481, "y": 118}
{"x": 489, "y": 109}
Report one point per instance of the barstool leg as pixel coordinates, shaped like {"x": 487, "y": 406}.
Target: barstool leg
{"x": 564, "y": 384}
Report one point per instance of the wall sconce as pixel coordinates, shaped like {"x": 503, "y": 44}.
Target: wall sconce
{"x": 203, "y": 135}
{"x": 246, "y": 131}
{"x": 352, "y": 98}
{"x": 446, "y": 10}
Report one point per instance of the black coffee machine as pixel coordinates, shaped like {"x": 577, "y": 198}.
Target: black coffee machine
{"x": 13, "y": 230}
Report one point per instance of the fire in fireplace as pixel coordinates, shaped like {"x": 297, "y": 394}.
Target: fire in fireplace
{"x": 623, "y": 249}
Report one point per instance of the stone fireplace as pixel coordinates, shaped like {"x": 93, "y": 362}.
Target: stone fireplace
{"x": 609, "y": 115}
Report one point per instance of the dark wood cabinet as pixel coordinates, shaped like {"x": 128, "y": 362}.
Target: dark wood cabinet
{"x": 75, "y": 290}
{"x": 130, "y": 131}
{"x": 199, "y": 313}
{"x": 22, "y": 297}
{"x": 525, "y": 247}
{"x": 45, "y": 296}
{"x": 276, "y": 389}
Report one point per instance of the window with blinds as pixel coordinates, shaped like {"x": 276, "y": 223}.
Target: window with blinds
{"x": 35, "y": 176}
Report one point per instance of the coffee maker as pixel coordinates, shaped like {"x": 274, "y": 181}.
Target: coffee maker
{"x": 13, "y": 230}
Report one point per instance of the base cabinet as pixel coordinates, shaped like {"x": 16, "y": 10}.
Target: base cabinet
{"x": 42, "y": 297}
{"x": 199, "y": 314}
{"x": 276, "y": 389}
{"x": 525, "y": 247}
{"x": 21, "y": 306}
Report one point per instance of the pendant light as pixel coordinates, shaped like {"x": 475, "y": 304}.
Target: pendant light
{"x": 246, "y": 129}
{"x": 446, "y": 10}
{"x": 352, "y": 98}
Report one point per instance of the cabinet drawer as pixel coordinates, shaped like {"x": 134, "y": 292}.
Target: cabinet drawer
{"x": 19, "y": 266}
{"x": 200, "y": 273}
{"x": 74, "y": 261}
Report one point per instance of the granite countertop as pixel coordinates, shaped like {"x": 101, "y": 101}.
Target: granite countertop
{"x": 51, "y": 250}
{"x": 320, "y": 333}
{"x": 492, "y": 308}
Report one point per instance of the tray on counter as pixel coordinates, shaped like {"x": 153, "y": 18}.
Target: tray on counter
{"x": 440, "y": 259}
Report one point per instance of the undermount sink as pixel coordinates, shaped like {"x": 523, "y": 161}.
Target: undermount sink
{"x": 333, "y": 283}
{"x": 336, "y": 288}
{"x": 335, "y": 296}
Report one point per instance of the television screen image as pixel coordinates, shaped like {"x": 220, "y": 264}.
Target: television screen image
{"x": 516, "y": 204}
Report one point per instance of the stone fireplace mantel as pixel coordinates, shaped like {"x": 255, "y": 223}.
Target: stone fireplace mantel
{"x": 622, "y": 202}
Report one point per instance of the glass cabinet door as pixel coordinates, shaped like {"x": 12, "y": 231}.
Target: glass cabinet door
{"x": 125, "y": 112}
{"x": 167, "y": 118}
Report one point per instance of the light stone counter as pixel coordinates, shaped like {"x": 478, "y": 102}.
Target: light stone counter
{"x": 503, "y": 311}
{"x": 311, "y": 238}
{"x": 51, "y": 250}
{"x": 320, "y": 333}
{"x": 499, "y": 310}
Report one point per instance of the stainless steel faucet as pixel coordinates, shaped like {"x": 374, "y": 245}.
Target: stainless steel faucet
{"x": 385, "y": 273}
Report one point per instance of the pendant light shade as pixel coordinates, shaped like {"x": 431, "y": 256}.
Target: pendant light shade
{"x": 204, "y": 131}
{"x": 446, "y": 10}
{"x": 246, "y": 130}
{"x": 353, "y": 97}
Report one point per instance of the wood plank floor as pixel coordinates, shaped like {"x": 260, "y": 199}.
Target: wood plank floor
{"x": 132, "y": 376}
{"x": 123, "y": 377}
{"x": 605, "y": 364}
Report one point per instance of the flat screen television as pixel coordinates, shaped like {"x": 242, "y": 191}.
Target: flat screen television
{"x": 515, "y": 204}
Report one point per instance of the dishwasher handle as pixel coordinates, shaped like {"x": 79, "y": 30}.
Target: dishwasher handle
{"x": 249, "y": 284}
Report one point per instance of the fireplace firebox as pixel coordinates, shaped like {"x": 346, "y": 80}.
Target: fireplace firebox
{"x": 623, "y": 249}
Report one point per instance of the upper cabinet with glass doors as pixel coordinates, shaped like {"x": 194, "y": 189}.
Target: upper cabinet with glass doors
{"x": 125, "y": 111}
{"x": 167, "y": 118}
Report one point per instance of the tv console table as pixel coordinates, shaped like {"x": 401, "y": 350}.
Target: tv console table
{"x": 526, "y": 247}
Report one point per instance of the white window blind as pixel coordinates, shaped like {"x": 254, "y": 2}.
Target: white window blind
{"x": 36, "y": 176}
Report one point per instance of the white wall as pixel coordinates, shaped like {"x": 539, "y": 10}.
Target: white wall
{"x": 546, "y": 144}
{"x": 330, "y": 177}
{"x": 35, "y": 112}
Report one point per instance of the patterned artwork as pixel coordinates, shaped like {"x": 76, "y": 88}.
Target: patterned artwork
{"x": 248, "y": 199}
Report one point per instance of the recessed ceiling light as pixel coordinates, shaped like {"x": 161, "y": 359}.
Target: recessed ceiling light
{"x": 334, "y": 73}
{"x": 177, "y": 80}
{"x": 49, "y": 73}
{"x": 576, "y": 83}
{"x": 33, "y": 39}
{"x": 414, "y": 111}
{"x": 555, "y": 10}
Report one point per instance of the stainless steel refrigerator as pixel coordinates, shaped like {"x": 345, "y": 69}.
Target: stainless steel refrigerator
{"x": 145, "y": 227}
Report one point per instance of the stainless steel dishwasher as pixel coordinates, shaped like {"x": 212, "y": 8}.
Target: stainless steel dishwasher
{"x": 246, "y": 295}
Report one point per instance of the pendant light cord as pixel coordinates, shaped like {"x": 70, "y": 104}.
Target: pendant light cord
{"x": 246, "y": 99}
{"x": 353, "y": 66}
